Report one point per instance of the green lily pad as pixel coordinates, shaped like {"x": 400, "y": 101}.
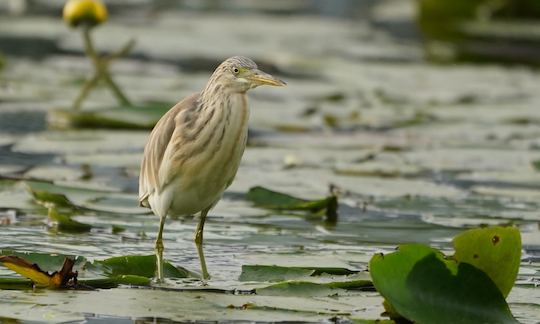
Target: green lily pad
{"x": 280, "y": 273}
{"x": 272, "y": 273}
{"x": 139, "y": 265}
{"x": 536, "y": 165}
{"x": 108, "y": 273}
{"x": 46, "y": 197}
{"x": 138, "y": 117}
{"x": 495, "y": 250}
{"x": 306, "y": 288}
{"x": 270, "y": 199}
{"x": 425, "y": 287}
{"x": 65, "y": 223}
{"x": 15, "y": 283}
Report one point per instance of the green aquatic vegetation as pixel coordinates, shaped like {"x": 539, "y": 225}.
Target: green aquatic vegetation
{"x": 536, "y": 165}
{"x": 144, "y": 116}
{"x": 280, "y": 273}
{"x": 494, "y": 250}
{"x": 312, "y": 289}
{"x": 266, "y": 198}
{"x": 64, "y": 223}
{"x": 423, "y": 285}
{"x": 44, "y": 270}
{"x": 50, "y": 198}
{"x": 138, "y": 265}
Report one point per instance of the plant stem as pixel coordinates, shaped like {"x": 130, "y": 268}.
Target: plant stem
{"x": 88, "y": 85}
{"x": 101, "y": 71}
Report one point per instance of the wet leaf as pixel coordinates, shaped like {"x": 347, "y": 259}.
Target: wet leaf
{"x": 15, "y": 283}
{"x": 65, "y": 223}
{"x": 495, "y": 250}
{"x": 139, "y": 117}
{"x": 536, "y": 165}
{"x": 267, "y": 198}
{"x": 113, "y": 282}
{"x": 273, "y": 273}
{"x": 311, "y": 289}
{"x": 46, "y": 197}
{"x": 425, "y": 287}
{"x": 116, "y": 229}
{"x": 280, "y": 273}
{"x": 139, "y": 265}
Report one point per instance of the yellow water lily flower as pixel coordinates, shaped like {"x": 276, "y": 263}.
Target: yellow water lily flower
{"x": 91, "y": 12}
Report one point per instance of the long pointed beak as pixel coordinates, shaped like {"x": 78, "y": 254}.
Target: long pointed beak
{"x": 262, "y": 78}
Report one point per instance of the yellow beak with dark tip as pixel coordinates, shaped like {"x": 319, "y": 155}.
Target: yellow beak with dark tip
{"x": 262, "y": 78}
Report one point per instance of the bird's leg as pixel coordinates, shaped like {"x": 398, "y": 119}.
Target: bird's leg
{"x": 199, "y": 243}
{"x": 159, "y": 250}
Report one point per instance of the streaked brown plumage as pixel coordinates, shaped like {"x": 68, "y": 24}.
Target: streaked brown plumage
{"x": 194, "y": 151}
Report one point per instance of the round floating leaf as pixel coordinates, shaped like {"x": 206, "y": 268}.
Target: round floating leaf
{"x": 425, "y": 287}
{"x": 139, "y": 265}
{"x": 311, "y": 289}
{"x": 495, "y": 250}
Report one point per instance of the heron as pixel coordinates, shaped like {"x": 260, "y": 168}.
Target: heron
{"x": 193, "y": 153}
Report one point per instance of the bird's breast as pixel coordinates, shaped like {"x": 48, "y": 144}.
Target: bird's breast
{"x": 204, "y": 177}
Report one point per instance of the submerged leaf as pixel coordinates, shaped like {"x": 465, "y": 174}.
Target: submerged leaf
{"x": 267, "y": 198}
{"x": 495, "y": 250}
{"x": 65, "y": 223}
{"x": 425, "y": 287}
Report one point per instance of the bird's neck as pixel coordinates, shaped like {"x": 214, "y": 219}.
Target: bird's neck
{"x": 219, "y": 96}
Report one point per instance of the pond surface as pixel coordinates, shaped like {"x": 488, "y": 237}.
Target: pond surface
{"x": 418, "y": 153}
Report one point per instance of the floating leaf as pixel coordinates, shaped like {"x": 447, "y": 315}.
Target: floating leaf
{"x": 139, "y": 265}
{"x": 279, "y": 273}
{"x": 273, "y": 273}
{"x": 311, "y": 289}
{"x": 139, "y": 117}
{"x": 425, "y": 287}
{"x": 15, "y": 283}
{"x": 536, "y": 165}
{"x": 65, "y": 223}
{"x": 116, "y": 229}
{"x": 113, "y": 282}
{"x": 46, "y": 197}
{"x": 266, "y": 198}
{"x": 495, "y": 250}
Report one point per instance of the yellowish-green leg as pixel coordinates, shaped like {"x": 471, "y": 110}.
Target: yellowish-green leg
{"x": 159, "y": 251}
{"x": 199, "y": 243}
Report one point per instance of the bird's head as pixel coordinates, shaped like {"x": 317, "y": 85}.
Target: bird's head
{"x": 239, "y": 74}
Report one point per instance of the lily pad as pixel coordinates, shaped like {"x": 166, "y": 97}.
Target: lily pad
{"x": 280, "y": 273}
{"x": 306, "y": 288}
{"x": 108, "y": 273}
{"x": 65, "y": 223}
{"x": 139, "y": 265}
{"x": 495, "y": 250}
{"x": 270, "y": 199}
{"x": 139, "y": 117}
{"x": 46, "y": 197}
{"x": 425, "y": 287}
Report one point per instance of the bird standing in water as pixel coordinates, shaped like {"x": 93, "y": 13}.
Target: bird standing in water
{"x": 194, "y": 151}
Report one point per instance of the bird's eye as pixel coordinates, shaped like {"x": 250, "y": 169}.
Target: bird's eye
{"x": 235, "y": 70}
